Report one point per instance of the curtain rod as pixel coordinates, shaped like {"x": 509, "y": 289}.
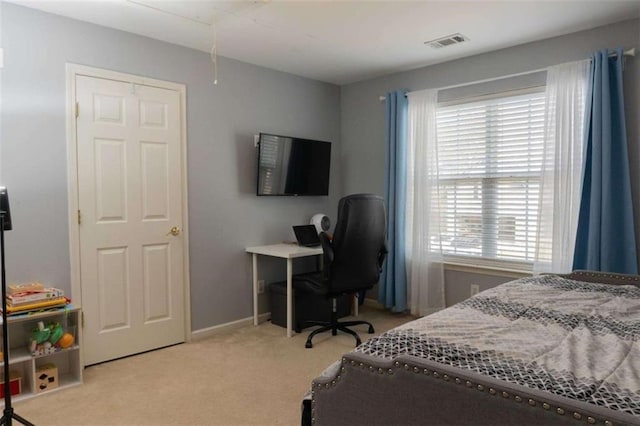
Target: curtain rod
{"x": 629, "y": 52}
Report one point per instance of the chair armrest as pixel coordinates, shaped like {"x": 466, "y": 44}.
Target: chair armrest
{"x": 327, "y": 248}
{"x": 382, "y": 255}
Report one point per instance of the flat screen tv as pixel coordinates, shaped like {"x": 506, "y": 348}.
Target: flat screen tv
{"x": 293, "y": 166}
{"x": 5, "y": 211}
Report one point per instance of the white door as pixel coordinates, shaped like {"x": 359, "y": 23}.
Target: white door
{"x": 130, "y": 199}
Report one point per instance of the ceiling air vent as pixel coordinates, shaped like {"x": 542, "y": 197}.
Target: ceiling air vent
{"x": 449, "y": 40}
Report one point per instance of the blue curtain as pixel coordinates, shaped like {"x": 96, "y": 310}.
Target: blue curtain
{"x": 392, "y": 290}
{"x": 606, "y": 235}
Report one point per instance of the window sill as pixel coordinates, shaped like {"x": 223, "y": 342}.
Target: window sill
{"x": 498, "y": 271}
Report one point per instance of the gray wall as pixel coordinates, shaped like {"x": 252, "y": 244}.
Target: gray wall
{"x": 362, "y": 114}
{"x": 225, "y": 216}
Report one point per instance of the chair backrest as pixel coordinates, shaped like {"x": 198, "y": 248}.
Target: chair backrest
{"x": 358, "y": 245}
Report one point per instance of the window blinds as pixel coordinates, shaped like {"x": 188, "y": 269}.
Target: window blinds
{"x": 489, "y": 157}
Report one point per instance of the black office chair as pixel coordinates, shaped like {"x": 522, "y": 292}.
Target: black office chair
{"x": 352, "y": 259}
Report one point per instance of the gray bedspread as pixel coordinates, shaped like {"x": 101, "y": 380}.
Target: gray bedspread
{"x": 574, "y": 339}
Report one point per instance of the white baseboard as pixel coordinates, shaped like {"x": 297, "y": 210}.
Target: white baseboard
{"x": 373, "y": 303}
{"x": 203, "y": 333}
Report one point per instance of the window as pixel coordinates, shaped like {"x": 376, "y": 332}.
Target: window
{"x": 489, "y": 163}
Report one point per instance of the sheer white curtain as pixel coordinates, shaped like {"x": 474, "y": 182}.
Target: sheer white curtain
{"x": 560, "y": 187}
{"x": 425, "y": 270}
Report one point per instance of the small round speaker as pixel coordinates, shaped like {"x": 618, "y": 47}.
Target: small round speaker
{"x": 321, "y": 222}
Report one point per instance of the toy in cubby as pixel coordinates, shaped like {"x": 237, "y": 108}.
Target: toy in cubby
{"x": 49, "y": 339}
{"x": 46, "y": 377}
{"x": 15, "y": 383}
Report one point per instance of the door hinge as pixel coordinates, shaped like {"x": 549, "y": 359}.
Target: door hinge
{"x": 79, "y": 218}
{"x": 77, "y": 109}
{"x": 82, "y": 319}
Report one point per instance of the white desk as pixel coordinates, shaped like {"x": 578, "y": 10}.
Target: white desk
{"x": 285, "y": 251}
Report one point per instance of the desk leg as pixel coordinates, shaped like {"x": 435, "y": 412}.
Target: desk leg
{"x": 289, "y": 296}
{"x": 255, "y": 289}
{"x": 355, "y": 304}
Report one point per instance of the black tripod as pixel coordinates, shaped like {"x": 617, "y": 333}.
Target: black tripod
{"x": 7, "y": 415}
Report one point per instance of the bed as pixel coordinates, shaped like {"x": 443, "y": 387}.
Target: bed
{"x": 543, "y": 350}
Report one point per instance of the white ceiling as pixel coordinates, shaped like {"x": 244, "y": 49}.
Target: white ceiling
{"x": 344, "y": 41}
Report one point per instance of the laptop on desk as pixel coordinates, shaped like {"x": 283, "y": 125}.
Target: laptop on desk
{"x": 307, "y": 235}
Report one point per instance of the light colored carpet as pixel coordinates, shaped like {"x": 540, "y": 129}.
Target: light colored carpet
{"x": 250, "y": 376}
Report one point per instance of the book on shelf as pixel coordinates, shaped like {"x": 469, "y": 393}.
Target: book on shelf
{"x": 24, "y": 288}
{"x": 28, "y": 297}
{"x": 41, "y": 305}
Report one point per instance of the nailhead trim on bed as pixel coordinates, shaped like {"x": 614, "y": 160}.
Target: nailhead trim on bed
{"x": 437, "y": 375}
{"x": 576, "y": 274}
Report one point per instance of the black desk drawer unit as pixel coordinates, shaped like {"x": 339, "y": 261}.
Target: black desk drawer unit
{"x": 306, "y": 306}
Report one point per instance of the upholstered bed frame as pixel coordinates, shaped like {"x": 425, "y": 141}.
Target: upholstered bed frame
{"x": 364, "y": 390}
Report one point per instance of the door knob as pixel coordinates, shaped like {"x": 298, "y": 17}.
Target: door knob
{"x": 175, "y": 231}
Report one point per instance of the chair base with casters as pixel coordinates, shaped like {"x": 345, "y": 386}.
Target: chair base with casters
{"x": 334, "y": 325}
